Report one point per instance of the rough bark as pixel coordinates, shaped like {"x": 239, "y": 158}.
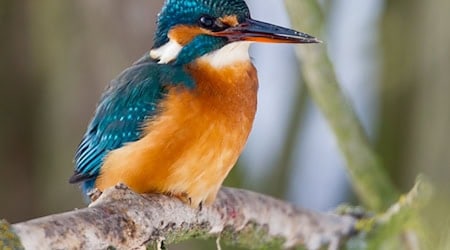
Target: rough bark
{"x": 125, "y": 220}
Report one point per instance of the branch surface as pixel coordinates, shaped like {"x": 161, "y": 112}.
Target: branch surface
{"x": 126, "y": 220}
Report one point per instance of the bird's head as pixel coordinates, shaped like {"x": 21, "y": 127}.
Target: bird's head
{"x": 190, "y": 29}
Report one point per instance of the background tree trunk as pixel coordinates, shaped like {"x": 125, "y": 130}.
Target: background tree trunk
{"x": 56, "y": 59}
{"x": 19, "y": 93}
{"x": 414, "y": 127}
{"x": 416, "y": 107}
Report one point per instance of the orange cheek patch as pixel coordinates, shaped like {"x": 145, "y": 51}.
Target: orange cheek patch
{"x": 183, "y": 34}
{"x": 229, "y": 20}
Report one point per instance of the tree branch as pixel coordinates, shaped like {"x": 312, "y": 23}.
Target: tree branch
{"x": 126, "y": 220}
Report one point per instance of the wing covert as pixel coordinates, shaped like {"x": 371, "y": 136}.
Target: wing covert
{"x": 129, "y": 101}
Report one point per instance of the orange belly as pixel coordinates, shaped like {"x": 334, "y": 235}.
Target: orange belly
{"x": 191, "y": 146}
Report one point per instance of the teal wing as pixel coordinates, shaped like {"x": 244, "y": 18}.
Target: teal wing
{"x": 131, "y": 99}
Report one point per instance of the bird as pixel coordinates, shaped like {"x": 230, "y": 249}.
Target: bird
{"x": 176, "y": 121}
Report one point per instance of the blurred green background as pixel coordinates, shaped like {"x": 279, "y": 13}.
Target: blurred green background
{"x": 57, "y": 56}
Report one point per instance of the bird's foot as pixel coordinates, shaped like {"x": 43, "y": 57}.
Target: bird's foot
{"x": 94, "y": 194}
{"x": 185, "y": 198}
{"x": 121, "y": 186}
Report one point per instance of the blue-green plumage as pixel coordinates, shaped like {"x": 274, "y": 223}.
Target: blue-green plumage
{"x": 188, "y": 12}
{"x": 131, "y": 99}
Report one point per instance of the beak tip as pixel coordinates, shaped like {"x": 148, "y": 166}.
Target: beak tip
{"x": 306, "y": 38}
{"x": 313, "y": 40}
{"x": 257, "y": 31}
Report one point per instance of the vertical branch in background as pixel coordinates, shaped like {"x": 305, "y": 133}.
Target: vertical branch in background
{"x": 368, "y": 176}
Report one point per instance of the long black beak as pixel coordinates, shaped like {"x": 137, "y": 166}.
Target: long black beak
{"x": 257, "y": 31}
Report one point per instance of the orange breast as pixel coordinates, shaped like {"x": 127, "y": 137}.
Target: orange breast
{"x": 191, "y": 146}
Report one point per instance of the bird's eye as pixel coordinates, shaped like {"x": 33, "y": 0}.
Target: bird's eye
{"x": 211, "y": 23}
{"x": 207, "y": 21}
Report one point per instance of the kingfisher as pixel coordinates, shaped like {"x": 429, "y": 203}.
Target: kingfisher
{"x": 176, "y": 121}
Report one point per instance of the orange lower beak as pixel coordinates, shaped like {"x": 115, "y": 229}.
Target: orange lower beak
{"x": 257, "y": 31}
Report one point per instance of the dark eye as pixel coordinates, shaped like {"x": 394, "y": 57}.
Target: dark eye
{"x": 211, "y": 23}
{"x": 207, "y": 22}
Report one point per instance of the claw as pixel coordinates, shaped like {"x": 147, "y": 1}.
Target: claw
{"x": 94, "y": 194}
{"x": 121, "y": 186}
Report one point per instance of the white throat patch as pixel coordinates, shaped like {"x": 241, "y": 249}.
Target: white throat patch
{"x": 166, "y": 53}
{"x": 229, "y": 54}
